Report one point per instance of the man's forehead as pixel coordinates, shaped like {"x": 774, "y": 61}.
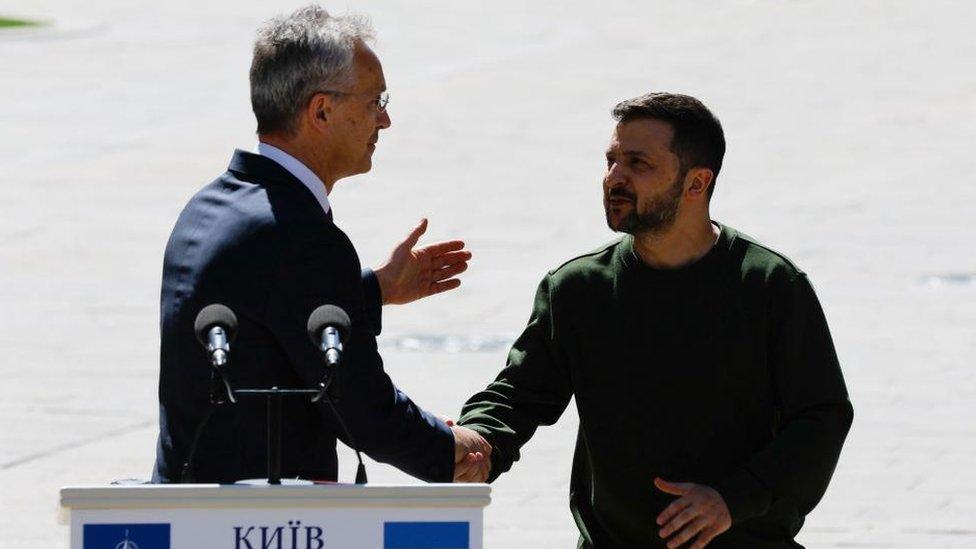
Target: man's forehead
{"x": 369, "y": 70}
{"x": 644, "y": 134}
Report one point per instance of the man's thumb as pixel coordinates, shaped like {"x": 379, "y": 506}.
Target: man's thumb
{"x": 673, "y": 488}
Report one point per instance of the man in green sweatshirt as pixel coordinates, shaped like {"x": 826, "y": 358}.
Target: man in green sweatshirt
{"x": 712, "y": 406}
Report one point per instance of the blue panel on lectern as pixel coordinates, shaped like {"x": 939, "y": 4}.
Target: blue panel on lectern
{"x": 425, "y": 535}
{"x": 125, "y": 536}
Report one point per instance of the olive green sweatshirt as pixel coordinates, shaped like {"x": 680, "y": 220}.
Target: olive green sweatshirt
{"x": 721, "y": 373}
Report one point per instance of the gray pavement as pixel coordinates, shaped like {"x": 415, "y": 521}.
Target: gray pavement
{"x": 850, "y": 129}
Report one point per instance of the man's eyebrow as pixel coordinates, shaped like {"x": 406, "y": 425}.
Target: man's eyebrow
{"x": 640, "y": 154}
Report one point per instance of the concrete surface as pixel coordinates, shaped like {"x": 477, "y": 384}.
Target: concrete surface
{"x": 850, "y": 128}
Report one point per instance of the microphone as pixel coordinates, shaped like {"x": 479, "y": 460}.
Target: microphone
{"x": 328, "y": 327}
{"x": 216, "y": 328}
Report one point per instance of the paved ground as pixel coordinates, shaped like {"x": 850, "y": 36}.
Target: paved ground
{"x": 850, "y": 128}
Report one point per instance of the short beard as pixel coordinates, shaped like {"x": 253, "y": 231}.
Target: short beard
{"x": 651, "y": 216}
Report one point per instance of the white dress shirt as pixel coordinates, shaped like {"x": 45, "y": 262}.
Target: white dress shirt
{"x": 299, "y": 170}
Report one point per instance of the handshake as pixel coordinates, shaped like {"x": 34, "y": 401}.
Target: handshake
{"x": 472, "y": 454}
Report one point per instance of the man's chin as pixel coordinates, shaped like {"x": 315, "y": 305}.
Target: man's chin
{"x": 365, "y": 165}
{"x": 617, "y": 223}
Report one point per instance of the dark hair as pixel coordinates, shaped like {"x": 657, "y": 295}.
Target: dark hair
{"x": 698, "y": 137}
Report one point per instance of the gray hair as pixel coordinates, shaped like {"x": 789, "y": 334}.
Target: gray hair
{"x": 296, "y": 56}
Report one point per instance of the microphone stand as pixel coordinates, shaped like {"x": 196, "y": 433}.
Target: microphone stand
{"x": 328, "y": 392}
{"x": 274, "y": 396}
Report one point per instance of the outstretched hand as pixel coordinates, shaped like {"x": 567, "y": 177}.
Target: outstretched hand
{"x": 415, "y": 273}
{"x": 700, "y": 511}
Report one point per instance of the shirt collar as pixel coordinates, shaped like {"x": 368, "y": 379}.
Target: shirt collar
{"x": 299, "y": 170}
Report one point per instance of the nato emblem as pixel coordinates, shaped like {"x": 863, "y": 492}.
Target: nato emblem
{"x": 125, "y": 536}
{"x": 426, "y": 535}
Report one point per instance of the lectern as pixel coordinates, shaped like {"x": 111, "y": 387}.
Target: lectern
{"x": 287, "y": 516}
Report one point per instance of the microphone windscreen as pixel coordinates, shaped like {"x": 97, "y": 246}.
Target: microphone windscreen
{"x": 328, "y": 315}
{"x": 215, "y": 315}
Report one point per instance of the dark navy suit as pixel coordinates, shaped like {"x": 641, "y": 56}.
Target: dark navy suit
{"x": 257, "y": 241}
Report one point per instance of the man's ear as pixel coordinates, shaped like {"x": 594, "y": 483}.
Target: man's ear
{"x": 319, "y": 110}
{"x": 698, "y": 181}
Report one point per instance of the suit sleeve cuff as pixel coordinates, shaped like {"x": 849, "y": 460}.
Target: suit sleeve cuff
{"x": 373, "y": 299}
{"x": 745, "y": 495}
{"x": 441, "y": 468}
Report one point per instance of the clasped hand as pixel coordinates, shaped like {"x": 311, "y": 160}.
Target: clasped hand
{"x": 415, "y": 273}
{"x": 472, "y": 454}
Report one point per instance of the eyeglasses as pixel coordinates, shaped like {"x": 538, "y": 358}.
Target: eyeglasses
{"x": 379, "y": 101}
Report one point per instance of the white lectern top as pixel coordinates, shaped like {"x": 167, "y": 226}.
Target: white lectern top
{"x": 438, "y": 516}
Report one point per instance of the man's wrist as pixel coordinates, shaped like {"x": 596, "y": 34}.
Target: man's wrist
{"x": 745, "y": 495}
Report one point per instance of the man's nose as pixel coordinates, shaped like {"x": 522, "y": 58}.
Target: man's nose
{"x": 384, "y": 120}
{"x": 615, "y": 176}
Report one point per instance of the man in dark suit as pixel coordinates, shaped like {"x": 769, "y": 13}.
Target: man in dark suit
{"x": 261, "y": 240}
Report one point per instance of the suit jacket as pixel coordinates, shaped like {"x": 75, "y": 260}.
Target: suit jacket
{"x": 257, "y": 241}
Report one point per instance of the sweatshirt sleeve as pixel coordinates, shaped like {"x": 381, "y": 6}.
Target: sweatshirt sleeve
{"x": 532, "y": 390}
{"x": 812, "y": 408}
